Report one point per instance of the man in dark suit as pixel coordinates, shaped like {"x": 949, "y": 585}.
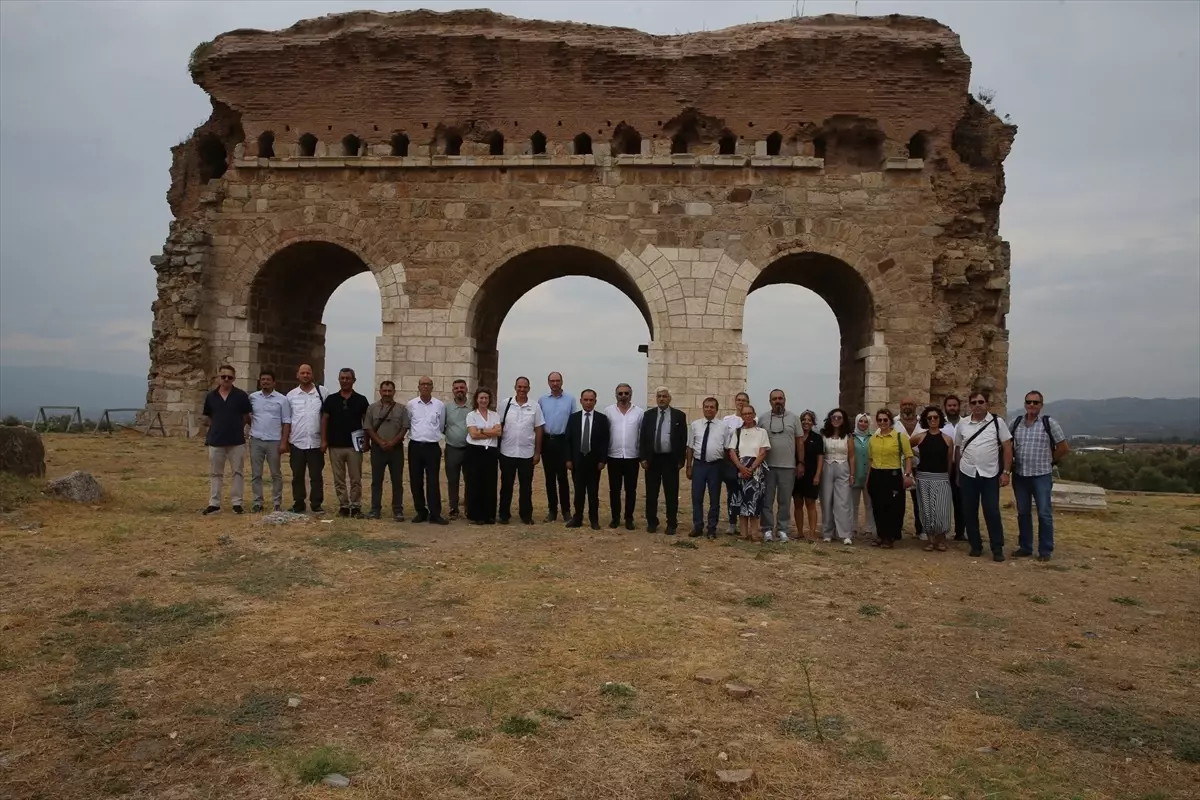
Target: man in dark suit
{"x": 663, "y": 448}
{"x": 587, "y": 452}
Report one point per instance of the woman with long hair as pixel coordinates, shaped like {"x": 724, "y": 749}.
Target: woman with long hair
{"x": 808, "y": 483}
{"x": 858, "y": 491}
{"x": 482, "y": 458}
{"x": 748, "y": 448}
{"x": 934, "y": 451}
{"x": 889, "y": 474}
{"x": 837, "y": 476}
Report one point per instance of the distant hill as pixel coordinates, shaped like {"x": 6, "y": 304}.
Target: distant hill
{"x": 1121, "y": 417}
{"x": 23, "y": 389}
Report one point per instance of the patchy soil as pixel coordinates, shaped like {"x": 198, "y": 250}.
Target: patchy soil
{"x": 147, "y": 652}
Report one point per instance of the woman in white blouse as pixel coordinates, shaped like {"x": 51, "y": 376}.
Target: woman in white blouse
{"x": 729, "y": 473}
{"x": 748, "y": 446}
{"x": 837, "y": 476}
{"x": 481, "y": 459}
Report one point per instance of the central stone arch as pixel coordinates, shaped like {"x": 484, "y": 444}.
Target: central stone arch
{"x": 489, "y": 293}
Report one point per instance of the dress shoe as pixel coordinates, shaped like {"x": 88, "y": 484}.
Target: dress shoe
{"x": 439, "y": 520}
{"x": 372, "y": 515}
{"x": 975, "y": 553}
{"x": 551, "y": 517}
{"x": 1043, "y": 558}
{"x": 454, "y": 514}
{"x": 1021, "y": 554}
{"x": 671, "y": 530}
{"x": 238, "y": 510}
{"x": 298, "y": 508}
{"x": 696, "y": 533}
{"x": 998, "y": 556}
{"x": 502, "y": 521}
{"x": 595, "y": 525}
{"x": 575, "y": 523}
{"x": 650, "y": 529}
{"x": 614, "y": 524}
{"x": 629, "y": 526}
{"x": 421, "y": 516}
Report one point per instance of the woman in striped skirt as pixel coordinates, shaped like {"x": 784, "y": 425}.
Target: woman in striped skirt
{"x": 933, "y": 450}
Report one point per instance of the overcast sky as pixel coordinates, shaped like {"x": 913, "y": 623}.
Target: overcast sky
{"x": 1103, "y": 204}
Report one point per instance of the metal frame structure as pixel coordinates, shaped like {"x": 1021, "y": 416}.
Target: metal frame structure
{"x": 43, "y": 419}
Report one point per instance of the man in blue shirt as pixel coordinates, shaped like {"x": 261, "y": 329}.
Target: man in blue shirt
{"x": 227, "y": 412}
{"x": 270, "y": 421}
{"x": 557, "y": 407}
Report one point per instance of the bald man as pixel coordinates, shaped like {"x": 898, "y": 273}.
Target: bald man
{"x": 908, "y": 419}
{"x": 303, "y": 440}
{"x": 427, "y": 420}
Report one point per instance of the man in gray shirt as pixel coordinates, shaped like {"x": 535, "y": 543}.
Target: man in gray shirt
{"x": 456, "y": 441}
{"x": 386, "y": 423}
{"x": 784, "y": 431}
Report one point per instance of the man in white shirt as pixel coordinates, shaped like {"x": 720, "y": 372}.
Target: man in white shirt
{"x": 303, "y": 440}
{"x": 426, "y": 419}
{"x": 270, "y": 421}
{"x": 705, "y": 455}
{"x": 625, "y": 428}
{"x": 520, "y": 450}
{"x": 983, "y": 456}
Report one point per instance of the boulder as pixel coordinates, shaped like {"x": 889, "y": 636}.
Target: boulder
{"x": 79, "y": 487}
{"x": 1077, "y": 497}
{"x": 22, "y": 452}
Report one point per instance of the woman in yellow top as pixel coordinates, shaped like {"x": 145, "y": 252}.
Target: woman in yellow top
{"x": 889, "y": 474}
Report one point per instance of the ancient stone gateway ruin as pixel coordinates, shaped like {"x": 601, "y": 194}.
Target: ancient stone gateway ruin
{"x": 464, "y": 158}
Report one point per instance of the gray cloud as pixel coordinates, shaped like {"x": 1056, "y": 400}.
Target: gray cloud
{"x": 1103, "y": 207}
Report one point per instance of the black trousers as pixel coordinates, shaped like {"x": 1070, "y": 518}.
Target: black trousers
{"x": 662, "y": 471}
{"x": 480, "y": 465}
{"x": 885, "y": 487}
{"x": 586, "y": 476}
{"x": 516, "y": 469}
{"x": 623, "y": 474}
{"x": 916, "y": 512}
{"x": 956, "y": 498}
{"x": 393, "y": 461}
{"x": 554, "y": 467}
{"x": 424, "y": 466}
{"x": 312, "y": 461}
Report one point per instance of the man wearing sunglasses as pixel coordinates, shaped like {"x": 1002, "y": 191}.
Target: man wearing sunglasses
{"x": 983, "y": 456}
{"x": 1038, "y": 444}
{"x": 227, "y": 411}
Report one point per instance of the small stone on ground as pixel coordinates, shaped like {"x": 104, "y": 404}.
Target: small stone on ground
{"x": 734, "y": 776}
{"x": 79, "y": 487}
{"x": 711, "y": 676}
{"x": 738, "y": 690}
{"x": 293, "y": 702}
{"x": 336, "y": 780}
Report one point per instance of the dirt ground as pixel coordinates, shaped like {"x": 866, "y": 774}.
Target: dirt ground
{"x": 149, "y": 652}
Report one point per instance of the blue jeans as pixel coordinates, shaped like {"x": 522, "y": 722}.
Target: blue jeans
{"x": 976, "y": 490}
{"x": 706, "y": 476}
{"x": 1035, "y": 488}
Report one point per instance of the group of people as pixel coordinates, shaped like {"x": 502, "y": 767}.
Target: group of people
{"x": 771, "y": 466}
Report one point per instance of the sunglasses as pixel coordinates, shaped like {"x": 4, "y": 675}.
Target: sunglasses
{"x": 1033, "y": 402}
{"x": 225, "y": 377}
{"x": 979, "y": 402}
{"x": 624, "y": 394}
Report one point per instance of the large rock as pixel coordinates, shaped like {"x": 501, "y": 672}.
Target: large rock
{"x": 1077, "y": 497}
{"x": 21, "y": 451}
{"x": 79, "y": 486}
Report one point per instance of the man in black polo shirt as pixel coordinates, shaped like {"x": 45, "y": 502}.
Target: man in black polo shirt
{"x": 227, "y": 411}
{"x": 341, "y": 423}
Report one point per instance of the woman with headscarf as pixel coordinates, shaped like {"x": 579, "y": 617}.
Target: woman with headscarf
{"x": 808, "y": 484}
{"x": 934, "y": 451}
{"x": 858, "y": 491}
{"x": 837, "y": 476}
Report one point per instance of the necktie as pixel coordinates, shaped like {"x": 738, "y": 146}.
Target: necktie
{"x": 704, "y": 441}
{"x": 586, "y": 446}
{"x": 658, "y": 434}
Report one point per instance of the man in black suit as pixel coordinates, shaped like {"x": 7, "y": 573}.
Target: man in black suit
{"x": 663, "y": 447}
{"x": 587, "y": 452}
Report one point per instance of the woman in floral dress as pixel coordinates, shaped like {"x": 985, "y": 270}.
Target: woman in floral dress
{"x": 748, "y": 449}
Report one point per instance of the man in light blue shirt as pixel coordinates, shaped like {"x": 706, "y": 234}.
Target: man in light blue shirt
{"x": 557, "y": 407}
{"x": 270, "y": 422}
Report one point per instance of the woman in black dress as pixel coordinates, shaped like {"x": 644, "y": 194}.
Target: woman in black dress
{"x": 808, "y": 484}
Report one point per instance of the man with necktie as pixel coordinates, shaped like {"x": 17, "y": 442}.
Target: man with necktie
{"x": 705, "y": 455}
{"x": 587, "y": 451}
{"x": 663, "y": 447}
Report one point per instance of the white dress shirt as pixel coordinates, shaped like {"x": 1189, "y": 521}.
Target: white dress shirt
{"x": 717, "y": 435}
{"x": 306, "y": 417}
{"x": 268, "y": 414}
{"x": 426, "y": 420}
{"x": 982, "y": 457}
{"x": 624, "y": 431}
{"x": 520, "y": 424}
{"x": 482, "y": 422}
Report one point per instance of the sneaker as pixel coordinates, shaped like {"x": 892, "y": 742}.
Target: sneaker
{"x": 454, "y": 514}
{"x": 297, "y": 508}
{"x": 732, "y": 530}
{"x": 344, "y": 511}
{"x": 826, "y": 539}
{"x": 1021, "y": 554}
{"x": 1043, "y": 558}
{"x": 238, "y": 510}
{"x": 355, "y": 511}
{"x": 783, "y": 537}
{"x": 318, "y": 510}
{"x": 277, "y": 507}
{"x": 767, "y": 537}
{"x": 210, "y": 510}
{"x": 847, "y": 542}
{"x": 372, "y": 515}
{"x": 923, "y": 537}
{"x": 397, "y": 518}
{"x": 256, "y": 508}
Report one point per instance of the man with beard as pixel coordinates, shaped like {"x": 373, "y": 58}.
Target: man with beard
{"x": 520, "y": 450}
{"x": 341, "y": 423}
{"x": 304, "y": 440}
{"x": 952, "y": 407}
{"x": 785, "y": 434}
{"x": 456, "y": 442}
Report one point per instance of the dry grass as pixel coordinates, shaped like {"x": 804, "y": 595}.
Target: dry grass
{"x": 142, "y": 656}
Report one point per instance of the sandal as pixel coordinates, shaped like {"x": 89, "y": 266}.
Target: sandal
{"x": 941, "y": 547}
{"x": 929, "y": 548}
{"x": 877, "y": 543}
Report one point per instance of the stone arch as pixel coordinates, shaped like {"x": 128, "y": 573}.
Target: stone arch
{"x": 284, "y": 287}
{"x": 515, "y": 266}
{"x": 837, "y": 261}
